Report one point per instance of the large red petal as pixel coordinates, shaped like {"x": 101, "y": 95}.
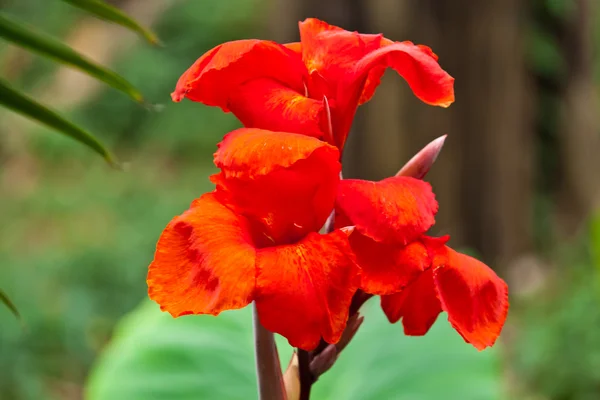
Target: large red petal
{"x": 284, "y": 182}
{"x": 347, "y": 66}
{"x": 249, "y": 153}
{"x": 388, "y": 268}
{"x": 474, "y": 297}
{"x": 218, "y": 73}
{"x": 417, "y": 305}
{"x": 204, "y": 261}
{"x": 267, "y": 104}
{"x": 395, "y": 210}
{"x": 304, "y": 290}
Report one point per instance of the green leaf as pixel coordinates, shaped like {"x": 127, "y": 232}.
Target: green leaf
{"x": 381, "y": 364}
{"x": 46, "y": 45}
{"x": 22, "y": 104}
{"x": 8, "y": 303}
{"x": 154, "y": 356}
{"x": 113, "y": 14}
{"x": 595, "y": 239}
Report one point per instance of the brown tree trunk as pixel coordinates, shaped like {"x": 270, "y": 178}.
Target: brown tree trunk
{"x": 578, "y": 131}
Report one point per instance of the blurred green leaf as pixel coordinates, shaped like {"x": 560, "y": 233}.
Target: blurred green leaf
{"x": 22, "y": 104}
{"x": 557, "y": 355}
{"x": 382, "y": 364}
{"x": 25, "y": 36}
{"x": 154, "y": 356}
{"x": 8, "y": 303}
{"x": 595, "y": 239}
{"x": 113, "y": 14}
{"x": 561, "y": 8}
{"x": 545, "y": 57}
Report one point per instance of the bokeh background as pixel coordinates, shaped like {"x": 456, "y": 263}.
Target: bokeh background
{"x": 517, "y": 183}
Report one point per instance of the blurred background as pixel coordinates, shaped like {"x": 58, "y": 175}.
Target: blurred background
{"x": 518, "y": 184}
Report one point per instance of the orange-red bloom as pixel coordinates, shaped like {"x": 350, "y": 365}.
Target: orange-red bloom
{"x": 254, "y": 239}
{"x": 311, "y": 87}
{"x": 418, "y": 276}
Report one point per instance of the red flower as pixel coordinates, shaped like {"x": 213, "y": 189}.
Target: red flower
{"x": 312, "y": 87}
{"x": 418, "y": 276}
{"x": 254, "y": 239}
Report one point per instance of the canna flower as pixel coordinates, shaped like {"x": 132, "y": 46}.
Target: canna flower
{"x": 313, "y": 86}
{"x": 255, "y": 239}
{"x": 418, "y": 276}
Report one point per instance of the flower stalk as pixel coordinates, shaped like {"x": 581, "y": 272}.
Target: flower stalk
{"x": 268, "y": 369}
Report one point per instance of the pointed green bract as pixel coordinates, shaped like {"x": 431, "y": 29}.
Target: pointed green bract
{"x": 113, "y": 14}
{"x": 24, "y": 36}
{"x": 8, "y": 303}
{"x": 22, "y": 104}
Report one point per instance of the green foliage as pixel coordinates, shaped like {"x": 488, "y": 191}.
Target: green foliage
{"x": 76, "y": 257}
{"x": 154, "y": 356}
{"x": 558, "y": 354}
{"x": 4, "y": 299}
{"x": 77, "y": 253}
{"x": 544, "y": 57}
{"x": 557, "y": 351}
{"x": 113, "y": 14}
{"x": 29, "y": 38}
{"x": 22, "y": 104}
{"x": 595, "y": 240}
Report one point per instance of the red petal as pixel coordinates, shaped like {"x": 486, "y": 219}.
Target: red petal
{"x": 313, "y": 26}
{"x": 249, "y": 153}
{"x": 395, "y": 210}
{"x": 385, "y": 268}
{"x": 304, "y": 290}
{"x": 204, "y": 261}
{"x": 427, "y": 50}
{"x": 267, "y": 104}
{"x": 417, "y": 65}
{"x": 284, "y": 182}
{"x": 474, "y": 297}
{"x": 218, "y": 73}
{"x": 376, "y": 72}
{"x": 373, "y": 80}
{"x": 417, "y": 305}
{"x": 296, "y": 47}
